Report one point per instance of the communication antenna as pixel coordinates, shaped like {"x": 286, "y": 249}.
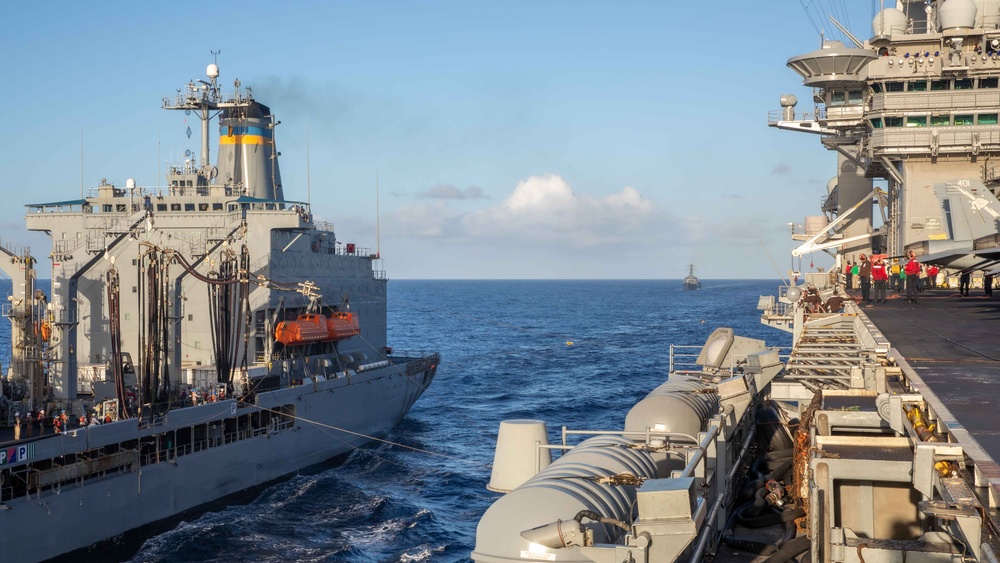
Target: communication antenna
{"x": 81, "y": 164}
{"x": 378, "y": 227}
{"x": 215, "y": 56}
{"x": 308, "y": 177}
{"x": 881, "y": 23}
{"x": 159, "y": 134}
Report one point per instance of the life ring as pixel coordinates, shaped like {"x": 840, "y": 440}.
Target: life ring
{"x": 46, "y": 330}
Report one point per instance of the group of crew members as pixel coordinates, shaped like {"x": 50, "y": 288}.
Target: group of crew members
{"x": 28, "y": 423}
{"x": 910, "y": 276}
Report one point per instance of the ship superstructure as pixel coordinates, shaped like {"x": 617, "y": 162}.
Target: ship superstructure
{"x": 228, "y": 336}
{"x": 916, "y": 106}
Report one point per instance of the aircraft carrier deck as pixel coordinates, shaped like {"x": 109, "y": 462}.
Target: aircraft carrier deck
{"x": 950, "y": 342}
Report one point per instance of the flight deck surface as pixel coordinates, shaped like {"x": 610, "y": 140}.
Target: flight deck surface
{"x": 951, "y": 343}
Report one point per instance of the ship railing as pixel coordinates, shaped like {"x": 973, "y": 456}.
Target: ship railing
{"x": 351, "y": 249}
{"x": 165, "y": 453}
{"x": 776, "y": 115}
{"x": 409, "y": 355}
{"x": 340, "y": 250}
{"x": 63, "y": 315}
{"x": 772, "y": 307}
{"x": 324, "y": 226}
{"x": 96, "y": 239}
{"x": 684, "y": 357}
{"x": 198, "y": 244}
{"x": 7, "y": 247}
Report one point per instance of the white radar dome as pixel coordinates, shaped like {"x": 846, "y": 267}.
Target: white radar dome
{"x": 794, "y": 293}
{"x": 788, "y": 100}
{"x": 957, "y": 14}
{"x": 212, "y": 71}
{"x": 888, "y": 22}
{"x": 130, "y": 184}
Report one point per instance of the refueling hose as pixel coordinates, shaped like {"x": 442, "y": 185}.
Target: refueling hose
{"x": 591, "y": 515}
{"x": 791, "y": 549}
{"x": 775, "y": 434}
{"x": 772, "y": 519}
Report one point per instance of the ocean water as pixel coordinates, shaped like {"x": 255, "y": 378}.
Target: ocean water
{"x": 574, "y": 353}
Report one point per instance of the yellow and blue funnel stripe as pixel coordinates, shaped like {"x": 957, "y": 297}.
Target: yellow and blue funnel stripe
{"x": 245, "y": 135}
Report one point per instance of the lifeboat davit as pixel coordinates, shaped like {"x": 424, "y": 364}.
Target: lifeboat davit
{"x": 342, "y": 325}
{"x": 306, "y": 329}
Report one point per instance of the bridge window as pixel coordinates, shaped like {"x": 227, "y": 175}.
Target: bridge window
{"x": 837, "y": 98}
{"x": 175, "y": 207}
{"x": 854, "y": 97}
{"x": 987, "y": 119}
{"x": 916, "y": 121}
{"x": 202, "y": 207}
{"x": 965, "y": 119}
{"x": 940, "y": 120}
{"x": 937, "y": 85}
{"x": 106, "y": 208}
{"x": 161, "y": 206}
{"x": 893, "y": 86}
{"x": 963, "y": 84}
{"x": 877, "y": 88}
{"x": 893, "y": 121}
{"x": 876, "y": 122}
{"x": 920, "y": 86}
{"x": 989, "y": 82}
{"x": 188, "y": 207}
{"x": 216, "y": 207}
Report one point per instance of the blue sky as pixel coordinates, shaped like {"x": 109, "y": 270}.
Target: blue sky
{"x": 511, "y": 139}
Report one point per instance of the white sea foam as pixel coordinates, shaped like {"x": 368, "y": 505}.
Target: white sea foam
{"x": 423, "y": 554}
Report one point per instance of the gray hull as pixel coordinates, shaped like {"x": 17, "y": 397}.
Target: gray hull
{"x": 149, "y": 490}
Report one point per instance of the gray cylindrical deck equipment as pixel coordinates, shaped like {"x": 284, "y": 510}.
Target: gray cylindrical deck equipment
{"x": 683, "y": 404}
{"x": 561, "y": 491}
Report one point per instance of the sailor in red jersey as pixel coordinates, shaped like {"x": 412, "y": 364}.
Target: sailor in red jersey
{"x": 912, "y": 270}
{"x": 880, "y": 274}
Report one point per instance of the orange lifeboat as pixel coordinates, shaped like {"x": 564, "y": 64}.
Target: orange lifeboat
{"x": 304, "y": 330}
{"x": 342, "y": 325}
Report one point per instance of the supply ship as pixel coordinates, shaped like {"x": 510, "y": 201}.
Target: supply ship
{"x": 873, "y": 439}
{"x": 200, "y": 339}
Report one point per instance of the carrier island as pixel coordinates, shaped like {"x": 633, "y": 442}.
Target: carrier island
{"x": 200, "y": 338}
{"x": 873, "y": 439}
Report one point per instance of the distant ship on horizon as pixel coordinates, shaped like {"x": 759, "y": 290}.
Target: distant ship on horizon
{"x": 691, "y": 282}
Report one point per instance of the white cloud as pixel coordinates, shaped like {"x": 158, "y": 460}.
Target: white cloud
{"x": 543, "y": 228}
{"x": 543, "y": 209}
{"x": 447, "y": 191}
